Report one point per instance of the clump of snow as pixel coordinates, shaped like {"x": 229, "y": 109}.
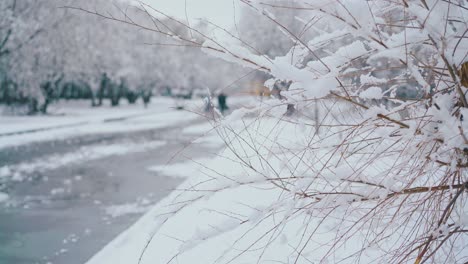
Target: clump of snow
{"x": 78, "y": 177}
{"x": 72, "y": 238}
{"x": 237, "y": 114}
{"x": 372, "y": 93}
{"x": 3, "y": 197}
{"x": 57, "y": 191}
{"x": 181, "y": 170}
{"x": 125, "y": 209}
{"x": 369, "y": 79}
{"x": 4, "y": 172}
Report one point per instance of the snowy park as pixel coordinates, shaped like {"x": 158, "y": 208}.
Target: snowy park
{"x": 233, "y": 131}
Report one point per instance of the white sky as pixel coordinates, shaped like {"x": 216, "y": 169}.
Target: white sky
{"x": 220, "y": 12}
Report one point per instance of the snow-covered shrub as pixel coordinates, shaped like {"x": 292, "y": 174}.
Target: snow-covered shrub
{"x": 371, "y": 167}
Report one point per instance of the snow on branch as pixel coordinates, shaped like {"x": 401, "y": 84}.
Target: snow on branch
{"x": 361, "y": 155}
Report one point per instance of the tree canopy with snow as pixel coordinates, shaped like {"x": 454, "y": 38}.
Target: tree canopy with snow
{"x": 48, "y": 45}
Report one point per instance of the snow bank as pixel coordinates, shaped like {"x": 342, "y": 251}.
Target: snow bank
{"x": 267, "y": 197}
{"x": 125, "y": 209}
{"x": 77, "y": 120}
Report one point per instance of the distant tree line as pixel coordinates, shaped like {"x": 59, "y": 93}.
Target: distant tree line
{"x": 52, "y": 50}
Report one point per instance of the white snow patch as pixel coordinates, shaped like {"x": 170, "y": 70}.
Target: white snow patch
{"x": 198, "y": 129}
{"x": 4, "y": 171}
{"x": 372, "y": 93}
{"x": 181, "y": 170}
{"x": 126, "y": 209}
{"x": 3, "y": 197}
{"x": 78, "y": 120}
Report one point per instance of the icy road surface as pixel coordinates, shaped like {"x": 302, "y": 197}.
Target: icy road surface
{"x": 68, "y": 198}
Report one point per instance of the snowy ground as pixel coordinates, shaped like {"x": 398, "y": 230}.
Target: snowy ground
{"x": 173, "y": 224}
{"x": 227, "y": 212}
{"x": 72, "y": 119}
{"x": 165, "y": 235}
{"x": 72, "y": 181}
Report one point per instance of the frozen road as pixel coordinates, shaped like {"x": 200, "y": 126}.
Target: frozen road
{"x": 71, "y": 197}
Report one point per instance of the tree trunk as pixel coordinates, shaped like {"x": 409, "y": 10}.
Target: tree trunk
{"x": 45, "y": 105}
{"x": 100, "y": 95}
{"x": 33, "y": 106}
{"x": 114, "y": 95}
{"x": 146, "y": 96}
{"x": 93, "y": 100}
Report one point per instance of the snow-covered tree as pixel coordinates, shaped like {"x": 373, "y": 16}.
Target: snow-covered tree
{"x": 49, "y": 45}
{"x": 271, "y": 34}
